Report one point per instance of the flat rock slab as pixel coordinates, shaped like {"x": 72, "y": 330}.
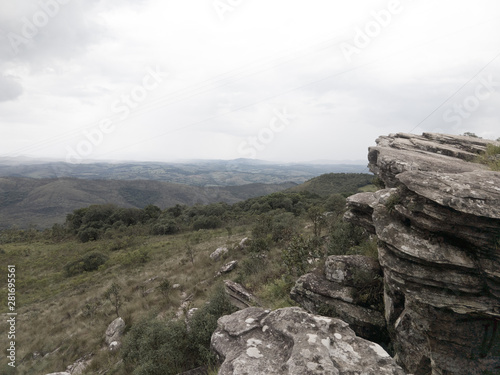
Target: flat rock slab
{"x": 293, "y": 342}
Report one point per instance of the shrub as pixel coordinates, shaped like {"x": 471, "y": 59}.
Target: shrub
{"x": 156, "y": 347}
{"x": 393, "y": 201}
{"x": 369, "y": 289}
{"x": 114, "y": 296}
{"x": 297, "y": 254}
{"x": 203, "y": 324}
{"x": 165, "y": 287}
{"x": 491, "y": 157}
{"x": 89, "y": 262}
{"x": 89, "y": 234}
{"x": 139, "y": 256}
{"x": 207, "y": 222}
{"x": 343, "y": 237}
{"x": 165, "y": 227}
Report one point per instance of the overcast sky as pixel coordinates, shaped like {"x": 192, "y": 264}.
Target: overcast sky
{"x": 281, "y": 80}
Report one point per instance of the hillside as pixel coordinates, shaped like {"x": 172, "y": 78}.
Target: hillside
{"x": 66, "y": 271}
{"x": 334, "y": 183}
{"x": 43, "y": 202}
{"x": 196, "y": 173}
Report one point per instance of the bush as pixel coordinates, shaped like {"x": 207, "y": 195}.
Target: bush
{"x": 156, "y": 347}
{"x": 297, "y": 254}
{"x": 207, "y": 222}
{"x": 491, "y": 157}
{"x": 89, "y": 234}
{"x": 89, "y": 262}
{"x": 343, "y": 237}
{"x": 165, "y": 227}
{"x": 139, "y": 256}
{"x": 203, "y": 324}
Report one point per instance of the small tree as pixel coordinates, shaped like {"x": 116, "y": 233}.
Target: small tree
{"x": 190, "y": 252}
{"x": 297, "y": 254}
{"x": 315, "y": 213}
{"x": 113, "y": 295}
{"x": 165, "y": 287}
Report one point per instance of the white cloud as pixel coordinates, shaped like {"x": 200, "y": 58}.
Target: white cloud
{"x": 226, "y": 77}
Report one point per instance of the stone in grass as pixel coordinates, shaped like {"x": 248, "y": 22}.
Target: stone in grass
{"x": 217, "y": 254}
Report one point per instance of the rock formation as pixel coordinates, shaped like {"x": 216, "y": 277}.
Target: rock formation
{"x": 438, "y": 225}
{"x": 293, "y": 342}
{"x": 239, "y": 296}
{"x": 346, "y": 289}
{"x": 114, "y": 333}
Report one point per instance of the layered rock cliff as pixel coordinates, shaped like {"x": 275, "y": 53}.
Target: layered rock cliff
{"x": 438, "y": 225}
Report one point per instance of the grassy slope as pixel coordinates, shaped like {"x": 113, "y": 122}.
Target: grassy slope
{"x": 51, "y": 305}
{"x": 53, "y": 330}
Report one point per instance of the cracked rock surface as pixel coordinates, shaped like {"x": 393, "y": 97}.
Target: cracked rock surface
{"x": 293, "y": 342}
{"x": 438, "y": 225}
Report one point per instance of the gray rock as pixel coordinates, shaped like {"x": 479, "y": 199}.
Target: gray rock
{"x": 228, "y": 267}
{"x": 239, "y": 296}
{"x": 80, "y": 365}
{"x": 244, "y": 243}
{"x": 438, "y": 228}
{"x": 217, "y": 254}
{"x": 115, "y": 331}
{"x": 293, "y": 342}
{"x": 337, "y": 293}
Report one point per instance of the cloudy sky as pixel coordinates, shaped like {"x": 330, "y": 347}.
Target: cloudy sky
{"x": 282, "y": 80}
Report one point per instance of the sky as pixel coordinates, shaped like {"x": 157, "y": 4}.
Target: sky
{"x": 278, "y": 80}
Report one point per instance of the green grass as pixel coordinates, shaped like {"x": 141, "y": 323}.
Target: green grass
{"x": 64, "y": 318}
{"x": 491, "y": 157}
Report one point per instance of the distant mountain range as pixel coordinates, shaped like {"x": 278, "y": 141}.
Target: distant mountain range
{"x": 43, "y": 194}
{"x": 195, "y": 173}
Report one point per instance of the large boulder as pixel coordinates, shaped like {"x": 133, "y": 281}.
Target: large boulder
{"x": 293, "y": 342}
{"x": 438, "y": 225}
{"x": 114, "y": 333}
{"x": 351, "y": 289}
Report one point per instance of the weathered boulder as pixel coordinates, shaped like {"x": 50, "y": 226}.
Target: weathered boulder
{"x": 228, "y": 267}
{"x": 244, "y": 243}
{"x": 239, "y": 296}
{"x": 218, "y": 253}
{"x": 293, "y": 342}
{"x": 438, "y": 225}
{"x": 114, "y": 333}
{"x": 80, "y": 365}
{"x": 350, "y": 288}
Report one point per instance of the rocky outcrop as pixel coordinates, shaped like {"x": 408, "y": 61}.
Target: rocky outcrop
{"x": 349, "y": 288}
{"x": 114, "y": 333}
{"x": 438, "y": 225}
{"x": 239, "y": 296}
{"x": 293, "y": 342}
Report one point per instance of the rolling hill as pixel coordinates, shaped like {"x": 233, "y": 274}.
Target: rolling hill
{"x": 43, "y": 202}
